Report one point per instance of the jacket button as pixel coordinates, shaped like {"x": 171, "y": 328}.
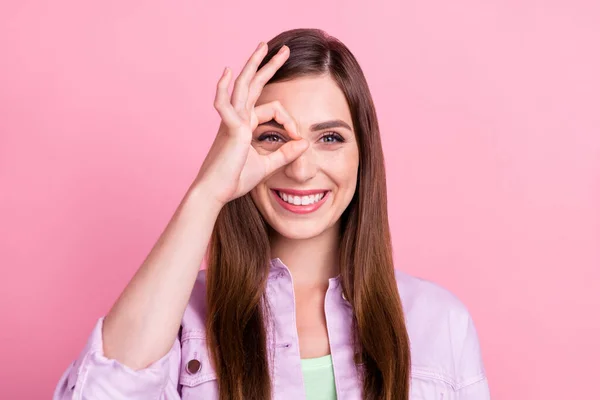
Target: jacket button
{"x": 193, "y": 366}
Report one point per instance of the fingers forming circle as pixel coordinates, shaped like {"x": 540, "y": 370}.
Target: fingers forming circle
{"x": 275, "y": 110}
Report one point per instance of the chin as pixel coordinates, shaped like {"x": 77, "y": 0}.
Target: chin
{"x": 298, "y": 230}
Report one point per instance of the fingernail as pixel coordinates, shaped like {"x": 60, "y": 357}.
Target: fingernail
{"x": 225, "y": 71}
{"x": 260, "y": 45}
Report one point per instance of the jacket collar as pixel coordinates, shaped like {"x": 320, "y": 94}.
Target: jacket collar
{"x": 279, "y": 269}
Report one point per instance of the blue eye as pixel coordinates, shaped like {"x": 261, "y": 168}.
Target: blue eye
{"x": 329, "y": 137}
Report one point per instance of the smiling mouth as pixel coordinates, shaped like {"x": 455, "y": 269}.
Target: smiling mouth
{"x": 300, "y": 200}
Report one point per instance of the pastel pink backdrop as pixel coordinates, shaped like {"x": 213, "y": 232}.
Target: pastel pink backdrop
{"x": 490, "y": 118}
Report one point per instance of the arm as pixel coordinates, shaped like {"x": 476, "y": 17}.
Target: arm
{"x": 143, "y": 324}
{"x": 134, "y": 352}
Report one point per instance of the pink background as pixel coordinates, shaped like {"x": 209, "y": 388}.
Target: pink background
{"x": 490, "y": 116}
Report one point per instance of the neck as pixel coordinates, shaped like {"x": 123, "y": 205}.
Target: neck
{"x": 311, "y": 261}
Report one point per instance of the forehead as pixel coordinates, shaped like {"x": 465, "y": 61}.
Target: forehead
{"x": 309, "y": 100}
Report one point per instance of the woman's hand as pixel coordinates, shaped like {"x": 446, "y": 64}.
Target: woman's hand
{"x": 232, "y": 166}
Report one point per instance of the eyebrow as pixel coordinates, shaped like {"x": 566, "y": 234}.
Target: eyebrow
{"x": 336, "y": 123}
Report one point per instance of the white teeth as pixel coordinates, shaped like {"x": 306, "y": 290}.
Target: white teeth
{"x": 301, "y": 200}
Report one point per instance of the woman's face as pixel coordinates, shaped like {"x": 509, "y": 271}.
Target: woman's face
{"x": 307, "y": 197}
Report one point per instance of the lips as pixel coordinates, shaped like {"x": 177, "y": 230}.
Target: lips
{"x": 297, "y": 192}
{"x": 300, "y": 201}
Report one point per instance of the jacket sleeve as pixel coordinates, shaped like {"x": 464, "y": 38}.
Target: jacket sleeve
{"x": 92, "y": 376}
{"x": 475, "y": 391}
{"x": 474, "y": 383}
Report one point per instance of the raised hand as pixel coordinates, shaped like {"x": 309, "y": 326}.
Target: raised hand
{"x": 232, "y": 166}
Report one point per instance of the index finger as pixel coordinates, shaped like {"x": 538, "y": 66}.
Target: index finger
{"x": 239, "y": 97}
{"x": 265, "y": 73}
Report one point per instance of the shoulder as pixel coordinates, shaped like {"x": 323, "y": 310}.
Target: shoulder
{"x": 426, "y": 302}
{"x": 444, "y": 341}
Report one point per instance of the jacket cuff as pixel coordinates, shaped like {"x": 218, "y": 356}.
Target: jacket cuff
{"x": 93, "y": 376}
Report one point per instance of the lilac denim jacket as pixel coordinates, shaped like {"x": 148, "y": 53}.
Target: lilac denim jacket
{"x": 446, "y": 360}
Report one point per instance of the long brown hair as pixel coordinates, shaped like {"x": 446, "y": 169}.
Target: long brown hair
{"x": 238, "y": 257}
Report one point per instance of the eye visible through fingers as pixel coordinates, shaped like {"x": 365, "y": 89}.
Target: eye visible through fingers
{"x": 274, "y": 137}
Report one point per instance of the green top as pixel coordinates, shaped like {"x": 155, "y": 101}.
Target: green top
{"x": 318, "y": 378}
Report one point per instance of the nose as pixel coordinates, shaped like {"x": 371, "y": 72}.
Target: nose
{"x": 303, "y": 168}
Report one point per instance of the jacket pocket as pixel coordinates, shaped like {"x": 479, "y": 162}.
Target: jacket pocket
{"x": 197, "y": 376}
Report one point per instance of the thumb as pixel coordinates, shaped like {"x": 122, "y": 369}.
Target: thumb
{"x": 285, "y": 154}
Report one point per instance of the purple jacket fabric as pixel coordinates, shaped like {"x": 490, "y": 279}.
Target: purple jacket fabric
{"x": 446, "y": 359}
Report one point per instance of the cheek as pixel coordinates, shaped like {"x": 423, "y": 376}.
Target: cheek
{"x": 257, "y": 196}
{"x": 260, "y": 195}
{"x": 255, "y": 190}
{"x": 259, "y": 200}
{"x": 254, "y": 196}
{"x": 345, "y": 182}
{"x": 343, "y": 169}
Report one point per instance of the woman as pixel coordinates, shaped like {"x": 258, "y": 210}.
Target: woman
{"x": 300, "y": 298}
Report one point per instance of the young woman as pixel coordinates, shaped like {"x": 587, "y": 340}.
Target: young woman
{"x": 300, "y": 298}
